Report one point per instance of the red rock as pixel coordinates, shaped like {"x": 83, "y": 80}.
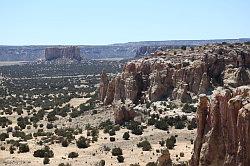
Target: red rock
{"x": 103, "y": 86}
{"x": 223, "y": 129}
{"x": 164, "y": 159}
{"x": 180, "y": 76}
{"x": 123, "y": 112}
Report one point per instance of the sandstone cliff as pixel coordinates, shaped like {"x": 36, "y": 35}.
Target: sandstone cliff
{"x": 72, "y": 53}
{"x": 180, "y": 74}
{"x": 223, "y": 134}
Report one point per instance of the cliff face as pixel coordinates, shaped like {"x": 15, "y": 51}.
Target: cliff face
{"x": 124, "y": 50}
{"x": 72, "y": 52}
{"x": 223, "y": 134}
{"x": 181, "y": 74}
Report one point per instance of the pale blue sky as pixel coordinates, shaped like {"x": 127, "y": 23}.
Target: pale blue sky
{"x": 26, "y": 22}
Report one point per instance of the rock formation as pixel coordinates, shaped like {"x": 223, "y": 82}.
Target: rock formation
{"x": 181, "y": 74}
{"x": 123, "y": 112}
{"x": 164, "y": 159}
{"x": 72, "y": 53}
{"x": 103, "y": 86}
{"x": 223, "y": 133}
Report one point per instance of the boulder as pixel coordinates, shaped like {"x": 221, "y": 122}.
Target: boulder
{"x": 124, "y": 112}
{"x": 164, "y": 159}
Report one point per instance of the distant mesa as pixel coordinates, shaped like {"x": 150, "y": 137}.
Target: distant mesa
{"x": 72, "y": 52}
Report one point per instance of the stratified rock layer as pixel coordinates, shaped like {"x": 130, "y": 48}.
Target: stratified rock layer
{"x": 223, "y": 133}
{"x": 181, "y": 74}
{"x": 72, "y": 52}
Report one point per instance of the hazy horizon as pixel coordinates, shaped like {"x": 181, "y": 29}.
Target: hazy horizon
{"x": 120, "y": 42}
{"x": 108, "y": 22}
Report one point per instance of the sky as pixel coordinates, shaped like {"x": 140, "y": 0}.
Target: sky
{"x": 97, "y": 22}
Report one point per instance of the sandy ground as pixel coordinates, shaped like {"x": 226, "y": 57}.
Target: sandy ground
{"x": 8, "y": 63}
{"x": 93, "y": 154}
{"x": 86, "y": 155}
{"x": 75, "y": 102}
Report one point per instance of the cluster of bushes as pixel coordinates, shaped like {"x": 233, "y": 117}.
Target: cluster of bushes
{"x": 44, "y": 152}
{"x": 135, "y": 127}
{"x": 85, "y": 107}
{"x": 109, "y": 127}
{"x": 145, "y": 145}
{"x": 23, "y": 121}
{"x": 118, "y": 152}
{"x": 23, "y": 148}
{"x": 37, "y": 116}
{"x": 68, "y": 132}
{"x": 164, "y": 123}
{"x": 41, "y": 133}
{"x": 4, "y": 122}
{"x": 3, "y": 136}
{"x": 83, "y": 142}
{"x": 170, "y": 142}
{"x": 22, "y": 135}
{"x": 93, "y": 132}
{"x": 73, "y": 155}
{"x": 188, "y": 108}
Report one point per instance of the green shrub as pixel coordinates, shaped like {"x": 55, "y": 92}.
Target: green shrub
{"x": 146, "y": 146}
{"x": 135, "y": 127}
{"x": 73, "y": 155}
{"x": 65, "y": 143}
{"x": 120, "y": 159}
{"x": 188, "y": 108}
{"x": 12, "y": 149}
{"x": 111, "y": 132}
{"x": 179, "y": 125}
{"x": 45, "y": 152}
{"x": 170, "y": 142}
{"x": 82, "y": 142}
{"x": 23, "y": 148}
{"x": 49, "y": 126}
{"x": 112, "y": 139}
{"x": 126, "y": 136}
{"x": 3, "y": 136}
{"x": 116, "y": 151}
{"x": 162, "y": 124}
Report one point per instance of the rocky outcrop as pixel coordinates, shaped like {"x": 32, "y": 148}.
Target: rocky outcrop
{"x": 104, "y": 82}
{"x": 110, "y": 93}
{"x": 181, "y": 74}
{"x": 124, "y": 112}
{"x": 164, "y": 159}
{"x": 181, "y": 93}
{"x": 72, "y": 53}
{"x": 223, "y": 133}
{"x": 147, "y": 50}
